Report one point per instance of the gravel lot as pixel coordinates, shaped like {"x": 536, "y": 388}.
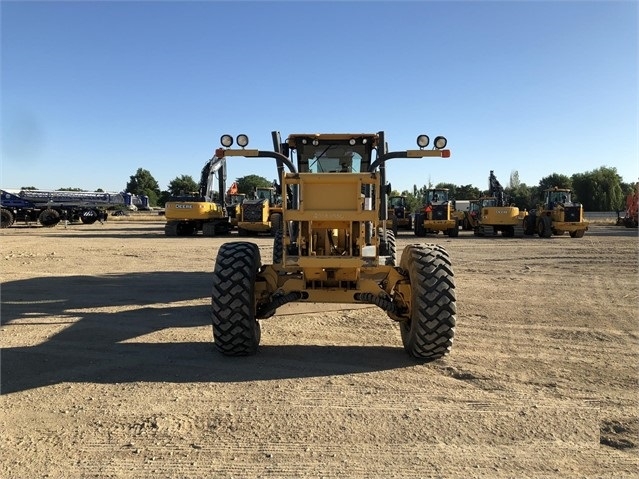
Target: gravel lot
{"x": 108, "y": 369}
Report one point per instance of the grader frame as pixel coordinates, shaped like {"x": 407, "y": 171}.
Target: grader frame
{"x": 333, "y": 247}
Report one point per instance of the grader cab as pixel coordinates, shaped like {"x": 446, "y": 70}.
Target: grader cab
{"x": 332, "y": 246}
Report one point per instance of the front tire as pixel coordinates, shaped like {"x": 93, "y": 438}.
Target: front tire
{"x": 544, "y": 227}
{"x": 428, "y": 333}
{"x": 388, "y": 248}
{"x": 236, "y": 332}
{"x": 419, "y": 225}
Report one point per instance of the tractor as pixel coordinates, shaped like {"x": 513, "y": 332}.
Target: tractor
{"x": 556, "y": 215}
{"x": 437, "y": 214}
{"x": 332, "y": 246}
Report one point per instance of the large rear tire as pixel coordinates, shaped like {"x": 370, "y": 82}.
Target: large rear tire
{"x": 49, "y": 217}
{"x": 88, "y": 217}
{"x": 7, "y": 218}
{"x": 428, "y": 333}
{"x": 236, "y": 332}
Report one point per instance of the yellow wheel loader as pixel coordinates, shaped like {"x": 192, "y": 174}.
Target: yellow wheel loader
{"x": 557, "y": 215}
{"x": 437, "y": 214}
{"x": 332, "y": 246}
{"x": 399, "y": 214}
{"x": 260, "y": 214}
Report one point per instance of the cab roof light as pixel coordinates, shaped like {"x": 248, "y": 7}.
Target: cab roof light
{"x": 423, "y": 141}
{"x": 226, "y": 141}
{"x": 242, "y": 140}
{"x": 440, "y": 142}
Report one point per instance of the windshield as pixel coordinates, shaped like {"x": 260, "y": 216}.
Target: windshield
{"x": 334, "y": 159}
{"x": 395, "y": 201}
{"x": 436, "y": 196}
{"x": 559, "y": 197}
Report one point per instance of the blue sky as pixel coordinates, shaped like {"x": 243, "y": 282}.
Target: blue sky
{"x": 92, "y": 91}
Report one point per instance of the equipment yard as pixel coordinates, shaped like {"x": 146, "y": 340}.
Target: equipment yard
{"x": 108, "y": 367}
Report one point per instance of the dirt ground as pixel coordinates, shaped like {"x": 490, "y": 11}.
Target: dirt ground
{"x": 108, "y": 368}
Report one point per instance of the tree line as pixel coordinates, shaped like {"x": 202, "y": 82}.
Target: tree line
{"x": 602, "y": 189}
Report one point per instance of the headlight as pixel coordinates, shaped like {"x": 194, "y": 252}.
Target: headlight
{"x": 227, "y": 141}
{"x": 422, "y": 141}
{"x": 440, "y": 142}
{"x": 351, "y": 141}
{"x": 242, "y": 140}
{"x": 315, "y": 142}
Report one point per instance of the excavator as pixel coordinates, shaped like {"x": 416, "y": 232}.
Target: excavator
{"x": 496, "y": 215}
{"x": 205, "y": 210}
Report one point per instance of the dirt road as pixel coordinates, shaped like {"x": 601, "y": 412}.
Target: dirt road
{"x": 108, "y": 368}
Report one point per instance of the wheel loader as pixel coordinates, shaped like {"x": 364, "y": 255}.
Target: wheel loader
{"x": 399, "y": 214}
{"x": 260, "y": 214}
{"x": 436, "y": 215}
{"x": 332, "y": 246}
{"x": 557, "y": 215}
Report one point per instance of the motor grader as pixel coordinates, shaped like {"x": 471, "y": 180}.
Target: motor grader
{"x": 333, "y": 247}
{"x": 557, "y": 215}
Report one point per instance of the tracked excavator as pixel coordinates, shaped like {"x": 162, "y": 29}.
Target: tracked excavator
{"x": 204, "y": 211}
{"x": 496, "y": 215}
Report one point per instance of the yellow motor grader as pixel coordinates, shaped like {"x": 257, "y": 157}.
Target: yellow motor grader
{"x": 332, "y": 246}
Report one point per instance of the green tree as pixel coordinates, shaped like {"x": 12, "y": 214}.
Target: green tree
{"x": 554, "y": 180}
{"x": 523, "y": 196}
{"x": 467, "y": 192}
{"x": 28, "y": 188}
{"x": 181, "y": 185}
{"x": 143, "y": 183}
{"x": 514, "y": 180}
{"x": 599, "y": 190}
{"x": 70, "y": 189}
{"x": 247, "y": 184}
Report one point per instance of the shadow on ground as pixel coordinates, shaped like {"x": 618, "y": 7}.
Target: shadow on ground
{"x": 108, "y": 315}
